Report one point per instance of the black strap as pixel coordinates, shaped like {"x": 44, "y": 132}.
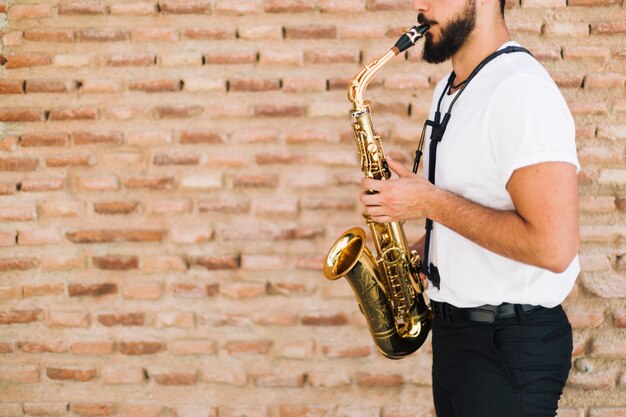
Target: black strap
{"x": 438, "y": 128}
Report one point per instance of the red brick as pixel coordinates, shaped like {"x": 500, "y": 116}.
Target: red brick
{"x": 133, "y": 9}
{"x": 255, "y": 136}
{"x": 278, "y": 380}
{"x": 143, "y": 291}
{"x": 44, "y": 139}
{"x": 209, "y": 33}
{"x": 329, "y": 379}
{"x": 30, "y": 11}
{"x": 11, "y": 292}
{"x": 379, "y": 5}
{"x": 192, "y": 234}
{"x": 140, "y": 348}
{"x": 605, "y": 80}
{"x": 18, "y": 213}
{"x": 170, "y": 377}
{"x": 347, "y": 351}
{"x": 230, "y": 57}
{"x": 40, "y": 236}
{"x": 157, "y": 183}
{"x": 91, "y": 290}
{"x": 304, "y": 85}
{"x": 543, "y": 3}
{"x": 275, "y": 319}
{"x": 255, "y": 181}
{"x": 224, "y": 205}
{"x": 74, "y": 159}
{"x": 614, "y": 348}
{"x": 122, "y": 374}
{"x": 97, "y": 138}
{"x": 46, "y": 408}
{"x": 19, "y": 374}
{"x": 608, "y": 28}
{"x": 248, "y": 347}
{"x": 18, "y": 164}
{"x": 279, "y": 110}
{"x": 331, "y": 56}
{"x": 116, "y": 263}
{"x": 122, "y": 319}
{"x": 194, "y": 290}
{"x": 343, "y": 6}
{"x": 169, "y": 206}
{"x": 49, "y": 86}
{"x": 74, "y": 113}
{"x": 130, "y": 60}
{"x": 279, "y": 158}
{"x": 194, "y": 137}
{"x": 21, "y": 316}
{"x": 294, "y": 58}
{"x": 607, "y": 412}
{"x": 243, "y": 290}
{"x": 93, "y": 409}
{"x": 185, "y": 6}
{"x": 116, "y": 207}
{"x": 68, "y": 319}
{"x": 44, "y": 289}
{"x": 260, "y": 32}
{"x": 290, "y": 6}
{"x": 288, "y": 410}
{"x": 21, "y": 114}
{"x": 153, "y": 86}
{"x": 593, "y": 3}
{"x": 568, "y": 80}
{"x": 42, "y": 184}
{"x": 601, "y": 380}
{"x": 58, "y": 346}
{"x": 290, "y": 288}
{"x": 254, "y": 85}
{"x": 324, "y": 319}
{"x": 177, "y": 111}
{"x": 605, "y": 287}
{"x": 105, "y": 34}
{"x": 311, "y": 32}
{"x": 100, "y": 85}
{"x": 193, "y": 347}
{"x": 79, "y": 374}
{"x": 163, "y": 263}
{"x": 115, "y": 236}
{"x": 93, "y": 348}
{"x": 49, "y": 35}
{"x": 154, "y": 34}
{"x": 11, "y": 86}
{"x": 601, "y": 54}
{"x": 81, "y": 7}
{"x": 237, "y": 7}
{"x": 242, "y": 410}
{"x": 379, "y": 380}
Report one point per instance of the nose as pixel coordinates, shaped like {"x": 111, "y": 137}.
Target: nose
{"x": 420, "y": 5}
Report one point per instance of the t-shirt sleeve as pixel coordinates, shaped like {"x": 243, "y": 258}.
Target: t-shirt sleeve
{"x": 530, "y": 123}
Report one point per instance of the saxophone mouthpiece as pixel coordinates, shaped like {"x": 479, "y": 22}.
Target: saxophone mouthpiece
{"x": 409, "y": 38}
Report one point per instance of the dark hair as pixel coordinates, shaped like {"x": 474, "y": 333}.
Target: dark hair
{"x": 502, "y": 4}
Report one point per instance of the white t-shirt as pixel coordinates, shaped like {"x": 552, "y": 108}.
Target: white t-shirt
{"x": 510, "y": 115}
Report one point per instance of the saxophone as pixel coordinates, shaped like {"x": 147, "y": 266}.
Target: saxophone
{"x": 387, "y": 287}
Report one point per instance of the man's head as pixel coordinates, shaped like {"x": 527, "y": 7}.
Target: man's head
{"x": 452, "y": 23}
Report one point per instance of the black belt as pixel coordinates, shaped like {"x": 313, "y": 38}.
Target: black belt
{"x": 482, "y": 314}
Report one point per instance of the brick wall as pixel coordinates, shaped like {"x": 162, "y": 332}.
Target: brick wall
{"x": 173, "y": 172}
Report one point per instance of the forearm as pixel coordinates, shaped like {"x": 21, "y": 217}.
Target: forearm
{"x": 504, "y": 232}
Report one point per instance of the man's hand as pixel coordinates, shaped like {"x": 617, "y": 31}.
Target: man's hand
{"x": 397, "y": 199}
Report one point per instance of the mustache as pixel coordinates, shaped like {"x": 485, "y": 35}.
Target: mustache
{"x": 421, "y": 19}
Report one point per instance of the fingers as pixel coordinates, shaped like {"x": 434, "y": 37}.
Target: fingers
{"x": 398, "y": 168}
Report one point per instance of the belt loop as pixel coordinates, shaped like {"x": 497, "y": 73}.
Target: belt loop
{"x": 520, "y": 312}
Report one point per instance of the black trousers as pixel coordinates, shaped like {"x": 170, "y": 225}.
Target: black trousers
{"x": 513, "y": 367}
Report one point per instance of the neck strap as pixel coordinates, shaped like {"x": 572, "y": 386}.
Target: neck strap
{"x": 438, "y": 128}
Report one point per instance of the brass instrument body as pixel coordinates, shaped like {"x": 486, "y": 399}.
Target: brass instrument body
{"x": 387, "y": 286}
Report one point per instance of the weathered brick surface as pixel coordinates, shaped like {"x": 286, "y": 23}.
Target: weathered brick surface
{"x": 173, "y": 172}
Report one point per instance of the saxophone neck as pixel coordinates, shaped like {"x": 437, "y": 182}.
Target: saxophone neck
{"x": 358, "y": 85}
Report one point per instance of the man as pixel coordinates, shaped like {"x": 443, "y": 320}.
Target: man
{"x": 504, "y": 207}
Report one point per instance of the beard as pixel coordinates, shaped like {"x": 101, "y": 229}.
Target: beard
{"x": 453, "y": 36}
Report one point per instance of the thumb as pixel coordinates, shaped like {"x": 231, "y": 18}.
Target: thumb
{"x": 398, "y": 168}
